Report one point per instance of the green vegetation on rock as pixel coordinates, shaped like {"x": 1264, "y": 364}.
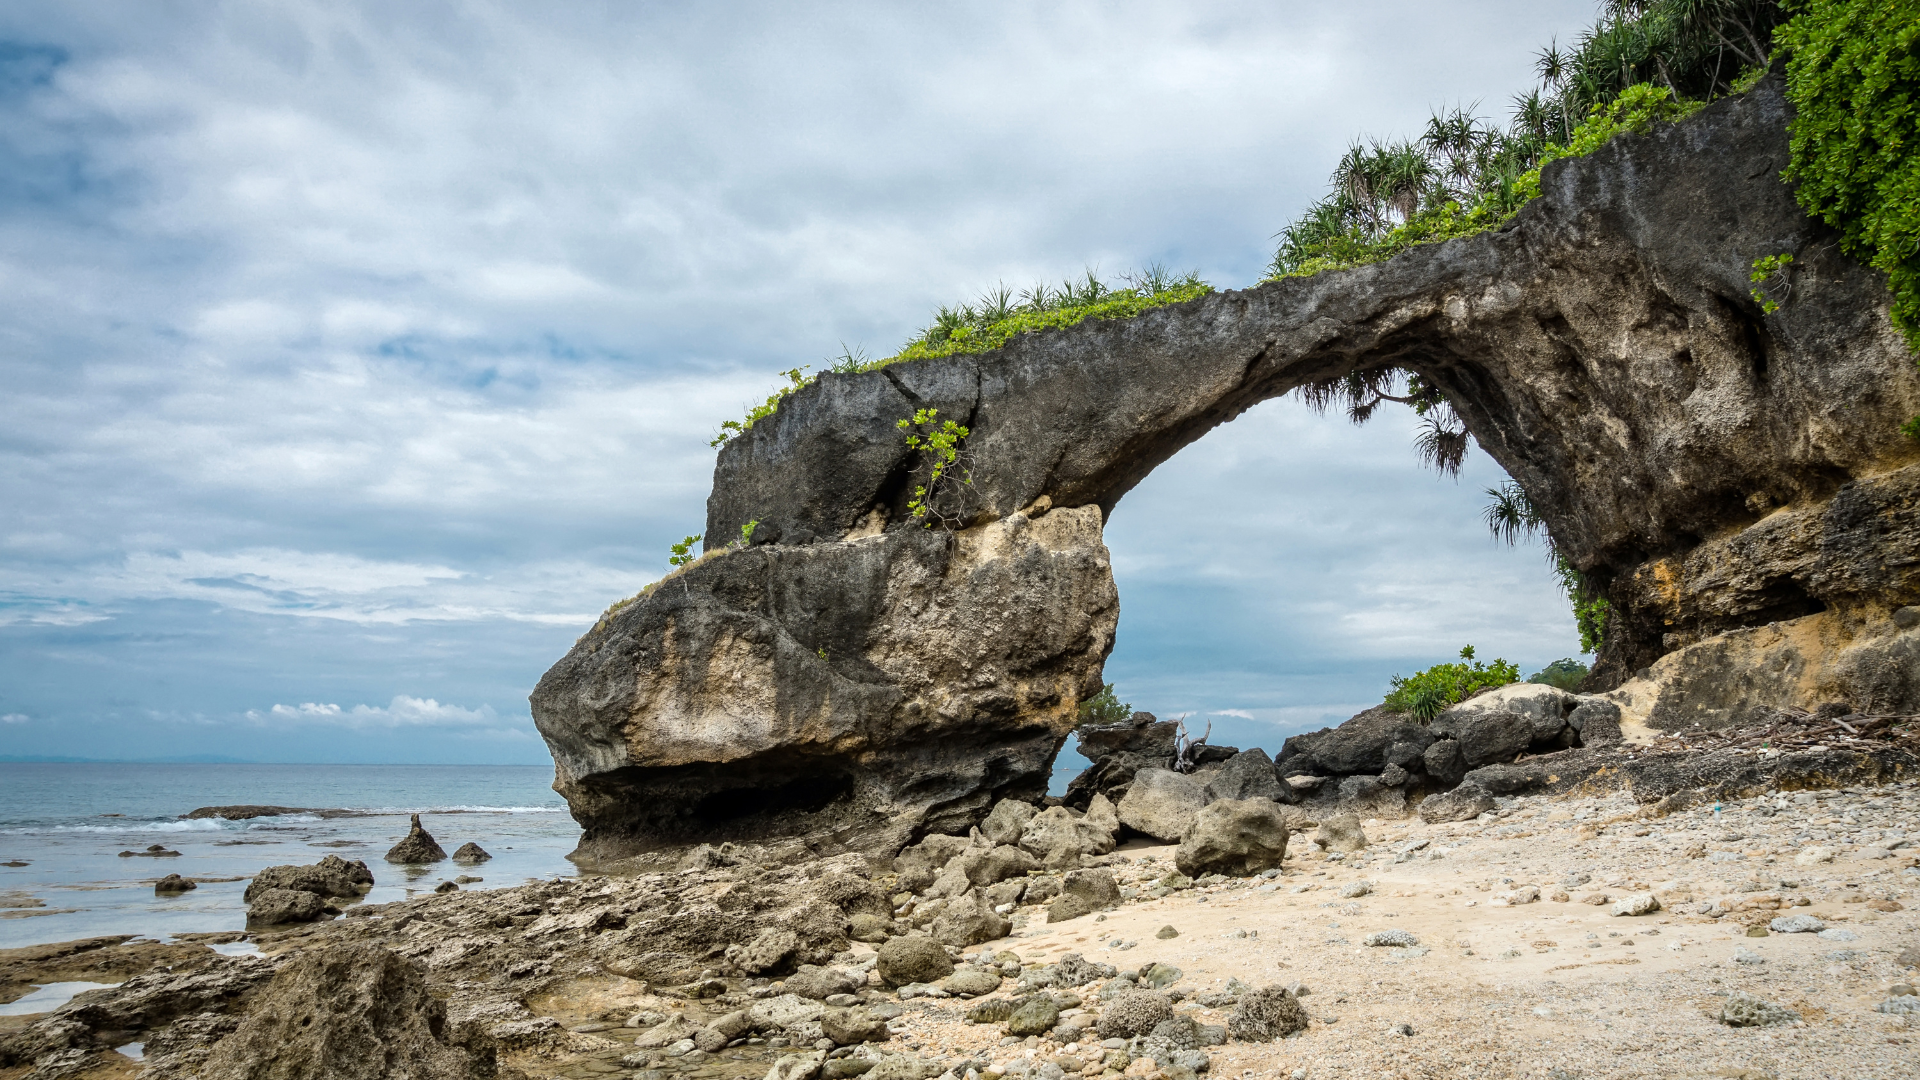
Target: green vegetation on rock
{"x": 1564, "y": 674}
{"x": 1853, "y": 75}
{"x": 1426, "y": 694}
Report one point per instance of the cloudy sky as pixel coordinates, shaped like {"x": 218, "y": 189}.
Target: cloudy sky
{"x": 354, "y": 356}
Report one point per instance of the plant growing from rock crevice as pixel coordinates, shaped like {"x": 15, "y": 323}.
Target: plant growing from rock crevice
{"x": 948, "y": 468}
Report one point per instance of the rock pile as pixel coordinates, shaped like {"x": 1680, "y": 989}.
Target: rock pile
{"x": 293, "y": 894}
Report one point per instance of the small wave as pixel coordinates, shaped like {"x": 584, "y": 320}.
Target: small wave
{"x": 202, "y": 825}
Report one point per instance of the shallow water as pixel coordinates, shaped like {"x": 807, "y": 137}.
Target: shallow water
{"x": 69, "y": 822}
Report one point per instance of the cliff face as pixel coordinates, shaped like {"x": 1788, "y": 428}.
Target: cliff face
{"x": 1715, "y": 468}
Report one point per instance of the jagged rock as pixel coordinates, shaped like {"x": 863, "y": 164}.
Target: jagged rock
{"x": 1134, "y": 1013}
{"x": 94, "y": 1021}
{"x": 1235, "y": 837}
{"x": 1443, "y": 762}
{"x": 330, "y": 877}
{"x": 913, "y": 959}
{"x": 471, "y": 852}
{"x": 1118, "y": 751}
{"x": 1367, "y": 743}
{"x": 1075, "y": 970}
{"x": 350, "y": 1011}
{"x": 1267, "y": 1014}
{"x": 1485, "y": 735}
{"x": 804, "y": 1066}
{"x": 1597, "y": 721}
{"x": 1061, "y": 836}
{"x": 1742, "y": 1009}
{"x": 852, "y": 894}
{"x": 912, "y": 674}
{"x": 997, "y": 864}
{"x": 969, "y": 919}
{"x": 173, "y": 885}
{"x": 1462, "y": 803}
{"x": 1340, "y": 832}
{"x": 1247, "y": 775}
{"x": 769, "y": 950}
{"x": 934, "y": 671}
{"x": 847, "y": 1027}
{"x": 919, "y": 866}
{"x": 1083, "y": 893}
{"x": 1007, "y": 821}
{"x": 417, "y": 848}
{"x": 1103, "y": 816}
{"x": 1162, "y": 804}
{"x": 277, "y": 907}
{"x": 669, "y": 1031}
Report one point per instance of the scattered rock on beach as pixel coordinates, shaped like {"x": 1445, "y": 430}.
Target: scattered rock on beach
{"x": 913, "y": 959}
{"x": 471, "y": 852}
{"x": 1267, "y": 1014}
{"x": 1134, "y": 1013}
{"x": 1744, "y": 1010}
{"x": 417, "y": 849}
{"x": 1341, "y": 832}
{"x": 154, "y": 851}
{"x": 332, "y": 876}
{"x": 1236, "y": 837}
{"x": 1162, "y": 804}
{"x": 276, "y": 907}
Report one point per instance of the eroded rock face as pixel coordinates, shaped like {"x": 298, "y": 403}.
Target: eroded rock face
{"x": 853, "y": 690}
{"x": 1713, "y": 469}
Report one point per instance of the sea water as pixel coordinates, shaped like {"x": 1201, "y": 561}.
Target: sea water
{"x": 68, "y": 823}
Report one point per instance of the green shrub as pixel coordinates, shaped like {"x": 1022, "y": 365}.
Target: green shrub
{"x": 1104, "y": 708}
{"x": 1427, "y": 694}
{"x": 1853, "y": 75}
{"x": 1565, "y": 674}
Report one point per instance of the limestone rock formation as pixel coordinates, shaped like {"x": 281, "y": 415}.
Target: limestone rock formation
{"x": 1117, "y": 752}
{"x": 417, "y": 847}
{"x": 1162, "y": 804}
{"x": 353, "y": 1011}
{"x": 853, "y": 690}
{"x": 471, "y": 853}
{"x": 1732, "y": 480}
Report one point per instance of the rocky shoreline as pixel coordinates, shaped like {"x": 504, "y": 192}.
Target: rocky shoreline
{"x": 1052, "y": 940}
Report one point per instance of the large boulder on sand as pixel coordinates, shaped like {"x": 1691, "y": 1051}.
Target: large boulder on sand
{"x": 969, "y": 919}
{"x": 347, "y": 1012}
{"x": 1340, "y": 832}
{"x": 1060, "y": 836}
{"x": 1083, "y": 893}
{"x": 418, "y": 848}
{"x": 1236, "y": 837}
{"x": 912, "y": 959}
{"x": 1162, "y": 804}
{"x": 1368, "y": 743}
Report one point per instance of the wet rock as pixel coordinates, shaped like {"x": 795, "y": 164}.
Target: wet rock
{"x": 913, "y": 959}
{"x": 154, "y": 851}
{"x": 469, "y": 853}
{"x": 1133, "y": 1013}
{"x": 784, "y": 1012}
{"x": 1267, "y": 1014}
{"x": 1162, "y": 804}
{"x": 173, "y": 885}
{"x": 347, "y": 1012}
{"x": 1744, "y": 1010}
{"x": 804, "y": 1066}
{"x": 1036, "y": 1016}
{"x": 1340, "y": 832}
{"x": 669, "y": 1031}
{"x": 330, "y": 877}
{"x": 1084, "y": 892}
{"x": 1236, "y": 837}
{"x": 277, "y": 907}
{"x": 417, "y": 849}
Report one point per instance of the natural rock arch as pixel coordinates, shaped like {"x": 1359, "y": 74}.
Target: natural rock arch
{"x": 854, "y": 677}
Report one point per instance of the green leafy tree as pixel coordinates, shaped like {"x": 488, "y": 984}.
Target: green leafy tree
{"x": 1104, "y": 707}
{"x": 1565, "y": 674}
